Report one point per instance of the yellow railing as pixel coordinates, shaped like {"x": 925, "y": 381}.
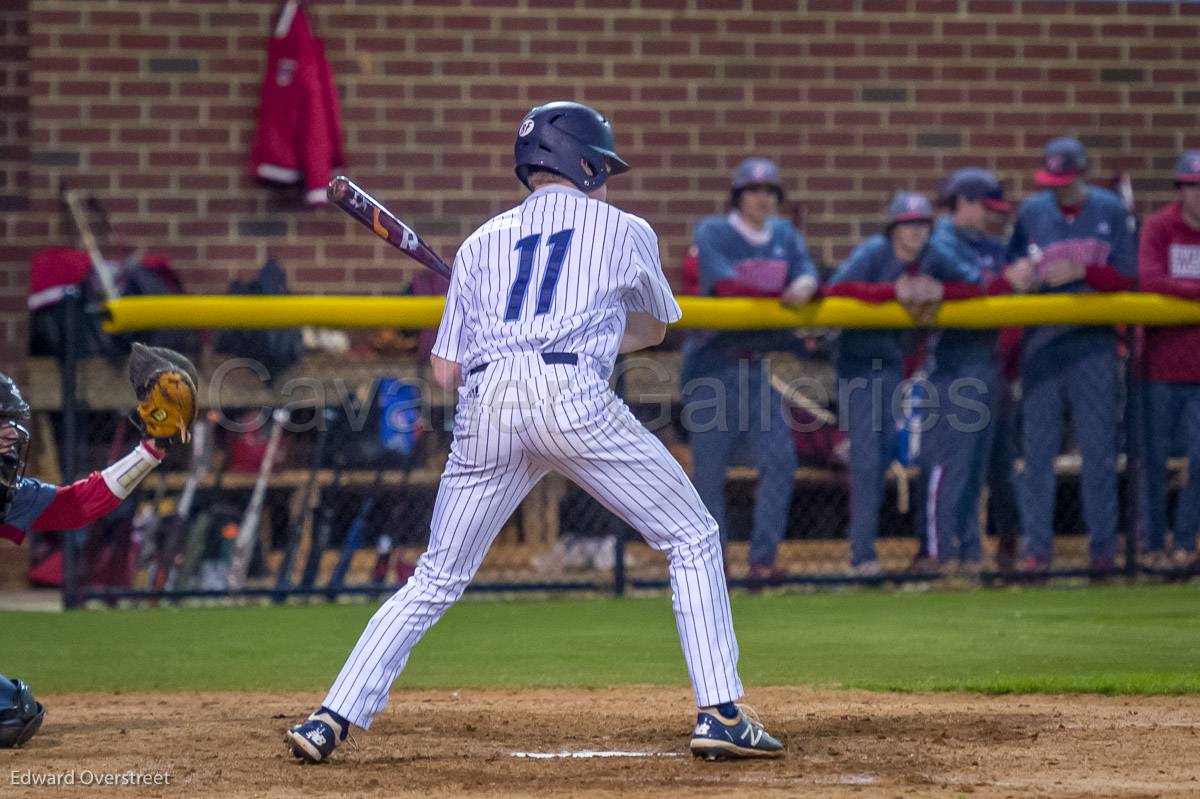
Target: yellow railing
{"x": 224, "y": 311}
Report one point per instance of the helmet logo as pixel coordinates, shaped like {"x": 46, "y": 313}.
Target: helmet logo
{"x": 526, "y": 128}
{"x": 1054, "y": 163}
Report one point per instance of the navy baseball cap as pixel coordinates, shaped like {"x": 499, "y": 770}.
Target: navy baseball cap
{"x": 1187, "y": 168}
{"x": 1064, "y": 161}
{"x": 908, "y": 206}
{"x": 975, "y": 184}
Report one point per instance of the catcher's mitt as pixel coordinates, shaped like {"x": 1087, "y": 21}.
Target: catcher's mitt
{"x": 165, "y": 384}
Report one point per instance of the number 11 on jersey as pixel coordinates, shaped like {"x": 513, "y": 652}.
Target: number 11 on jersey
{"x": 527, "y": 247}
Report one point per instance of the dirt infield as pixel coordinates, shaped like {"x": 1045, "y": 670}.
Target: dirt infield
{"x": 444, "y": 744}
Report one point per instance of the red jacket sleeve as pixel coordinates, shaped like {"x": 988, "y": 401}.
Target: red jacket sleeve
{"x": 1102, "y": 277}
{"x": 77, "y": 505}
{"x": 960, "y": 291}
{"x": 736, "y": 288}
{"x": 1153, "y": 272}
{"x": 863, "y": 290}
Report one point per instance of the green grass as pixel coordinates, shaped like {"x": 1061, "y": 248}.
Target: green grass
{"x": 1110, "y": 640}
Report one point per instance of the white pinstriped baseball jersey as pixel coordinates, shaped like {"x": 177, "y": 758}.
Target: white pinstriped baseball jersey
{"x": 557, "y": 274}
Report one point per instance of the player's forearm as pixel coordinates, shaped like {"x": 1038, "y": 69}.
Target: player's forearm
{"x": 642, "y": 330}
{"x": 86, "y": 500}
{"x": 447, "y": 374}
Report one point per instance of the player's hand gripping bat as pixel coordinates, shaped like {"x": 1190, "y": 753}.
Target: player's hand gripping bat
{"x": 345, "y": 194}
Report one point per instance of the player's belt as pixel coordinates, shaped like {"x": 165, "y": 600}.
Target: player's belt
{"x": 548, "y": 358}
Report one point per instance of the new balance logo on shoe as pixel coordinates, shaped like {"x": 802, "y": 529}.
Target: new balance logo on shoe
{"x": 315, "y": 736}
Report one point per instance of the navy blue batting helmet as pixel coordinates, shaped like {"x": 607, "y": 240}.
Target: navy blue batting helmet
{"x": 569, "y": 139}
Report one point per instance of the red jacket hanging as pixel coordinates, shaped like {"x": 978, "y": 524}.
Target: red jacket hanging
{"x": 299, "y": 136}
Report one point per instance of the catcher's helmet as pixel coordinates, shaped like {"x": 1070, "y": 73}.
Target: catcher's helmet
{"x": 569, "y": 139}
{"x": 14, "y": 446}
{"x": 13, "y": 406}
{"x": 20, "y": 714}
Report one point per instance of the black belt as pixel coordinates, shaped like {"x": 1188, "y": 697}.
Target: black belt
{"x": 548, "y": 358}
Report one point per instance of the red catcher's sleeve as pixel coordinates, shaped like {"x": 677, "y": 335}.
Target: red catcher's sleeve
{"x": 77, "y": 505}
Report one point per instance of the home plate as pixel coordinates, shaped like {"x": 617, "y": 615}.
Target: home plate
{"x": 589, "y": 754}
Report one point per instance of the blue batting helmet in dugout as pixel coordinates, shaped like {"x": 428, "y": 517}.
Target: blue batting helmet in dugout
{"x": 908, "y": 206}
{"x": 755, "y": 172}
{"x": 569, "y": 139}
{"x": 1187, "y": 168}
{"x": 975, "y": 184}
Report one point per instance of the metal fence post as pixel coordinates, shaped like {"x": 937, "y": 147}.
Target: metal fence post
{"x": 1136, "y": 419}
{"x": 68, "y": 446}
{"x": 617, "y": 526}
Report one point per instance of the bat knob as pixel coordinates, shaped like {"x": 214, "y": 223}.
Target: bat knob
{"x": 337, "y": 188}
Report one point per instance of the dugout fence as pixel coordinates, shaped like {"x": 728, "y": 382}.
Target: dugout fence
{"x": 346, "y": 507}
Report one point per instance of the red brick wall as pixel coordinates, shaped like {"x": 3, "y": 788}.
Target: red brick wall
{"x": 14, "y": 179}
{"x": 152, "y": 103}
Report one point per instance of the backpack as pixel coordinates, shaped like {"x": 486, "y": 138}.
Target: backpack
{"x": 277, "y": 350}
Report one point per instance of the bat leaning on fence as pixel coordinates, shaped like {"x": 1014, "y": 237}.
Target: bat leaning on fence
{"x": 283, "y": 581}
{"x": 354, "y": 536}
{"x": 322, "y": 531}
{"x": 174, "y": 537}
{"x": 351, "y": 198}
{"x": 247, "y": 536}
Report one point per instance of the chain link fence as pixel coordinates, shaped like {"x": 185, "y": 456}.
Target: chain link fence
{"x": 346, "y": 507}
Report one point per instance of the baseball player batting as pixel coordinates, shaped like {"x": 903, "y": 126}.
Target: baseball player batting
{"x": 542, "y": 298}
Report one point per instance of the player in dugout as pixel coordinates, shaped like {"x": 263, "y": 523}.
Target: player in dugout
{"x": 1080, "y": 239}
{"x": 964, "y": 370}
{"x": 1169, "y": 263}
{"x": 870, "y": 363}
{"x": 165, "y": 384}
{"x": 728, "y": 397}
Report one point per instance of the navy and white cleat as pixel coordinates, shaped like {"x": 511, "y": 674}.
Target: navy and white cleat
{"x": 719, "y": 738}
{"x": 314, "y": 739}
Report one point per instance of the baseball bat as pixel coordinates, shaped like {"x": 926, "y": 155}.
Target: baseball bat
{"x": 247, "y": 537}
{"x": 283, "y": 581}
{"x": 351, "y": 198}
{"x": 104, "y": 271}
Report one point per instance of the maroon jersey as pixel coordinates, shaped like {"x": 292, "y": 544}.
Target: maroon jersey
{"x": 1169, "y": 263}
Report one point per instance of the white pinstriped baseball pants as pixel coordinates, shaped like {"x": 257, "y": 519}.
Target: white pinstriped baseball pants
{"x": 516, "y": 421}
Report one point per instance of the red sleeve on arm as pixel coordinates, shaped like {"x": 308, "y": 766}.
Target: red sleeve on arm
{"x": 736, "y": 288}
{"x": 78, "y": 504}
{"x": 1103, "y": 277}
{"x": 862, "y": 290}
{"x": 960, "y": 291}
{"x": 996, "y": 284}
{"x": 1153, "y": 274}
{"x": 10, "y": 533}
